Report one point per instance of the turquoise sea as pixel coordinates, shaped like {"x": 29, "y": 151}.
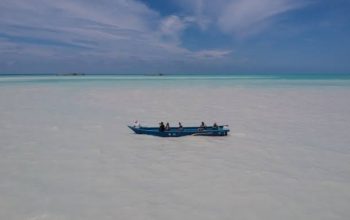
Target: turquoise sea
{"x": 183, "y": 80}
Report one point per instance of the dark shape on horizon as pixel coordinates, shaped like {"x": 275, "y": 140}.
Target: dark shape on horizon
{"x": 155, "y": 74}
{"x": 70, "y": 74}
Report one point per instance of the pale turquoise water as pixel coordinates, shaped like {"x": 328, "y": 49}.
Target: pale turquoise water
{"x": 182, "y": 80}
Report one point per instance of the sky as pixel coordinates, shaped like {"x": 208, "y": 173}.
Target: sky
{"x": 174, "y": 36}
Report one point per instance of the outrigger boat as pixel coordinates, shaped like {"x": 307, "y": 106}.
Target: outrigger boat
{"x": 221, "y": 130}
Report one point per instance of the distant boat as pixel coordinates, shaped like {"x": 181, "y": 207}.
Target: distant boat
{"x": 70, "y": 74}
{"x": 155, "y": 74}
{"x": 221, "y": 130}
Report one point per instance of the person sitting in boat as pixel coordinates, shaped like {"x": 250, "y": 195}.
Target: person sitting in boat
{"x": 202, "y": 127}
{"x": 137, "y": 124}
{"x": 161, "y": 127}
{"x": 215, "y": 126}
{"x": 167, "y": 126}
{"x": 180, "y": 126}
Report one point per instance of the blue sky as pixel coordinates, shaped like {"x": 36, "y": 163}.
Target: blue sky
{"x": 175, "y": 36}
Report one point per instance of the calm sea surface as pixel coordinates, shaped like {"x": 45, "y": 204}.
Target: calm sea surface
{"x": 182, "y": 80}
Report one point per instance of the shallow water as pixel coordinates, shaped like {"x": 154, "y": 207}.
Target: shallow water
{"x": 66, "y": 153}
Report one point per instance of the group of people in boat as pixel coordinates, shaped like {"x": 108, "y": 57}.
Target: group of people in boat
{"x": 203, "y": 126}
{"x": 167, "y": 127}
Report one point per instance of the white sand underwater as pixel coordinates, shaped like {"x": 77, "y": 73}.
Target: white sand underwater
{"x": 66, "y": 153}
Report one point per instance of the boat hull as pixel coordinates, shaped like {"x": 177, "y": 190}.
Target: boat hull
{"x": 186, "y": 131}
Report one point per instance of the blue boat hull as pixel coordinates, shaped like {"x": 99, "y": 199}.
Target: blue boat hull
{"x": 186, "y": 131}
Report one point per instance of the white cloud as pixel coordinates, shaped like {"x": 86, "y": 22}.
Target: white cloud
{"x": 122, "y": 30}
{"x": 239, "y": 17}
{"x": 243, "y": 16}
{"x": 216, "y": 54}
{"x": 173, "y": 26}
